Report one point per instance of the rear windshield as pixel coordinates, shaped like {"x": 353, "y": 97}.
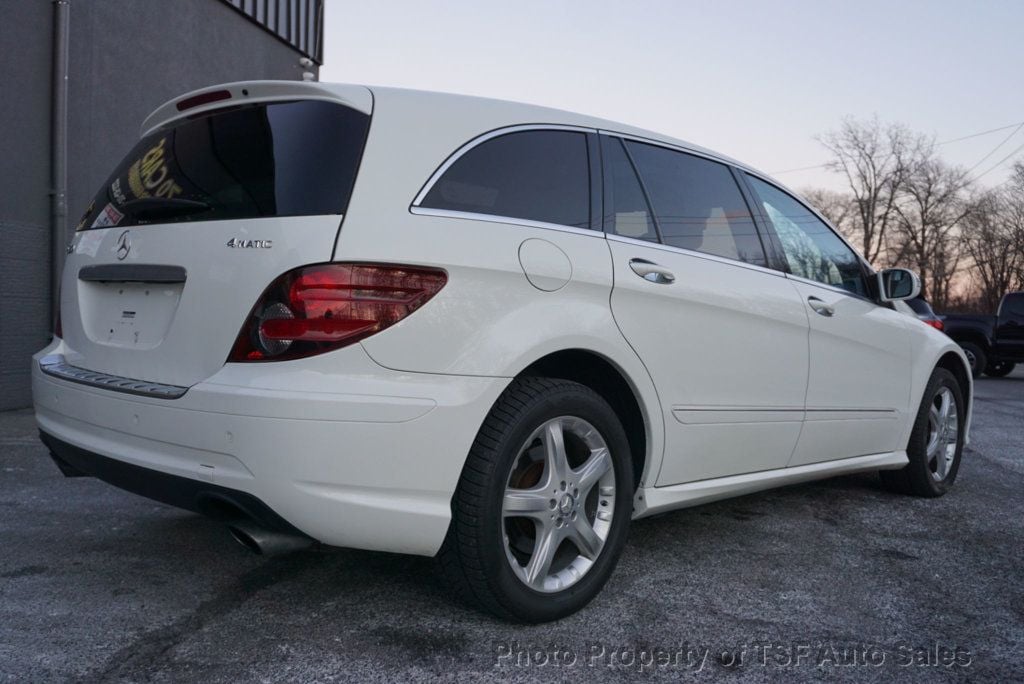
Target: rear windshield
{"x": 282, "y": 159}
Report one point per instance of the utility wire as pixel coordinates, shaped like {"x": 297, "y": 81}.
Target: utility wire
{"x": 1017, "y": 126}
{"x": 998, "y": 163}
{"x": 993, "y": 150}
{"x": 802, "y": 168}
{"x": 975, "y": 135}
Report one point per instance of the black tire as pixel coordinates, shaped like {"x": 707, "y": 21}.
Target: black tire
{"x": 999, "y": 369}
{"x": 473, "y": 557}
{"x": 917, "y": 477}
{"x": 976, "y": 356}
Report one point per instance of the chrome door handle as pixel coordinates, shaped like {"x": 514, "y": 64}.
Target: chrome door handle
{"x": 652, "y": 272}
{"x": 820, "y": 307}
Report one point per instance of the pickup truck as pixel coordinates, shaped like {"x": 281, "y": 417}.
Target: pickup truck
{"x": 993, "y": 344}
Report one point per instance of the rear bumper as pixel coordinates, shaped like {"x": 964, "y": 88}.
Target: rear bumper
{"x": 372, "y": 467}
{"x": 174, "y": 490}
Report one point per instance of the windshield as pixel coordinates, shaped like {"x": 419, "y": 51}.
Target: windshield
{"x": 281, "y": 159}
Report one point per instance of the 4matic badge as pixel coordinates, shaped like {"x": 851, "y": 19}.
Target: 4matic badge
{"x": 235, "y": 243}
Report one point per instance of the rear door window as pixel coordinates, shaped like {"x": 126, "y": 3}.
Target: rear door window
{"x": 697, "y": 203}
{"x": 281, "y": 159}
{"x": 533, "y": 175}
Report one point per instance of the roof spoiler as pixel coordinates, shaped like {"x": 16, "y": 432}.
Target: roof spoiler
{"x": 247, "y": 92}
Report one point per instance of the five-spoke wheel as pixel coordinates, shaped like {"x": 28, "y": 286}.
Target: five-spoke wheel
{"x": 559, "y": 504}
{"x": 542, "y": 509}
{"x": 943, "y": 433}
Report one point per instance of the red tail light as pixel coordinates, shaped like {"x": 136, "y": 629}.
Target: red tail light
{"x": 934, "y": 322}
{"x": 315, "y": 309}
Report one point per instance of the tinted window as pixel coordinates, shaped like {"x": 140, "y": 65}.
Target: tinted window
{"x": 920, "y": 307}
{"x": 533, "y": 175}
{"x": 282, "y": 159}
{"x": 626, "y": 211}
{"x": 812, "y": 250}
{"x": 1012, "y": 305}
{"x": 697, "y": 204}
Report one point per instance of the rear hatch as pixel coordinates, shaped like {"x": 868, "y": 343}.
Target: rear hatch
{"x": 200, "y": 217}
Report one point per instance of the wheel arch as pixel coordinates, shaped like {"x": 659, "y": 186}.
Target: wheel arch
{"x": 931, "y": 350}
{"x": 955, "y": 364}
{"x": 613, "y": 383}
{"x": 950, "y": 357}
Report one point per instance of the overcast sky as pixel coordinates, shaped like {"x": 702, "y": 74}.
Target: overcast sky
{"x": 753, "y": 80}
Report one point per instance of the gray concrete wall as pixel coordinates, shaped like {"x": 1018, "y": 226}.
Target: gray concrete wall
{"x": 25, "y": 41}
{"x": 125, "y": 63}
{"x": 126, "y": 58}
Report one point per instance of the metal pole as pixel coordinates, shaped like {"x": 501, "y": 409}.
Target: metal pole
{"x": 59, "y": 152}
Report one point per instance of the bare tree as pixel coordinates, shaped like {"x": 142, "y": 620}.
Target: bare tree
{"x": 928, "y": 211}
{"x": 994, "y": 245}
{"x": 1013, "y": 216}
{"x": 838, "y": 207}
{"x": 875, "y": 161}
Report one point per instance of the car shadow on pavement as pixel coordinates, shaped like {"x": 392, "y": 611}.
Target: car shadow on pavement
{"x": 150, "y": 540}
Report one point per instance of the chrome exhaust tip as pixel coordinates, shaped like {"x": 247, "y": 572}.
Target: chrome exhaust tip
{"x": 264, "y": 542}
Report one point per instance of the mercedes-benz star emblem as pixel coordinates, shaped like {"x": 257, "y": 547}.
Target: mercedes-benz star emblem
{"x": 124, "y": 245}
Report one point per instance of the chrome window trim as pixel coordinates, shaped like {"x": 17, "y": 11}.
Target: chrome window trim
{"x": 507, "y": 220}
{"x": 756, "y": 174}
{"x": 752, "y": 172}
{"x": 480, "y": 139}
{"x": 827, "y": 286}
{"x": 709, "y": 157}
{"x": 692, "y": 253}
{"x": 704, "y": 154}
{"x": 415, "y": 207}
{"x": 54, "y": 365}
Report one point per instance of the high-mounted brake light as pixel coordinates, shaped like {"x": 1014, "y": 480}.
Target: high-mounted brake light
{"x": 315, "y": 309}
{"x": 203, "y": 98}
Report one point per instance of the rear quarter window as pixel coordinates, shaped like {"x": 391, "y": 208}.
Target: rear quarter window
{"x": 531, "y": 175}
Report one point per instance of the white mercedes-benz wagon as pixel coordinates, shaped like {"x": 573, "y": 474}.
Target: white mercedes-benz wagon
{"x": 484, "y": 331}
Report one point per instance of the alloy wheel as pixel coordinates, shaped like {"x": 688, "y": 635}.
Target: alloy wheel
{"x": 558, "y": 504}
{"x": 943, "y": 432}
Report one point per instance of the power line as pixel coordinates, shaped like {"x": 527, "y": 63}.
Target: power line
{"x": 998, "y": 163}
{"x": 1017, "y": 126}
{"x": 993, "y": 150}
{"x": 975, "y": 135}
{"x": 802, "y": 168}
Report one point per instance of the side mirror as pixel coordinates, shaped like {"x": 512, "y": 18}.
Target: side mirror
{"x": 897, "y": 284}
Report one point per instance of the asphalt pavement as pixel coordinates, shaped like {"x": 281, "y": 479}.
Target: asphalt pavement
{"x": 832, "y": 579}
